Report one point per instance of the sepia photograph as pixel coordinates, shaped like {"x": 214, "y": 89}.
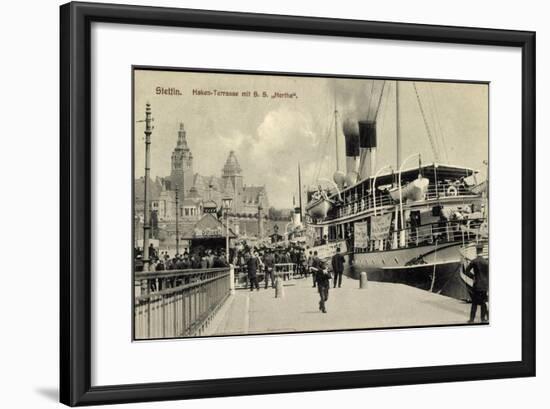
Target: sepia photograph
{"x": 275, "y": 203}
{"x": 267, "y": 202}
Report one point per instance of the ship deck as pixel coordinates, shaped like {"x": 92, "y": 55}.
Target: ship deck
{"x": 380, "y": 305}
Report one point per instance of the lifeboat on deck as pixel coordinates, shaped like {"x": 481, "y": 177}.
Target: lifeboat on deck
{"x": 415, "y": 190}
{"x": 319, "y": 206}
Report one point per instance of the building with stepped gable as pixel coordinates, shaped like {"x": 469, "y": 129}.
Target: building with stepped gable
{"x": 194, "y": 190}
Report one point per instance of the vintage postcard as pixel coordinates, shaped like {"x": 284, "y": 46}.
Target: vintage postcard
{"x": 270, "y": 203}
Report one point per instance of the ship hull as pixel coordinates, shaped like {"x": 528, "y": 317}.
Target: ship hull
{"x": 433, "y": 268}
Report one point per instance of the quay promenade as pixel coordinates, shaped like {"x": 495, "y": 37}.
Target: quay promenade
{"x": 203, "y": 302}
{"x": 380, "y": 305}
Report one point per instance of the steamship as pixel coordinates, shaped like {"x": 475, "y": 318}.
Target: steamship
{"x": 408, "y": 224}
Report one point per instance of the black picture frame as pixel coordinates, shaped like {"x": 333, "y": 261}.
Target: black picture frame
{"x": 76, "y": 202}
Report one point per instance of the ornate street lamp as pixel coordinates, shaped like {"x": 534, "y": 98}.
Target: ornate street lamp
{"x": 227, "y": 202}
{"x": 226, "y": 206}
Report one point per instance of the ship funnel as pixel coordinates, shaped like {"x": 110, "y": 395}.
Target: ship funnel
{"x": 351, "y": 134}
{"x": 367, "y": 148}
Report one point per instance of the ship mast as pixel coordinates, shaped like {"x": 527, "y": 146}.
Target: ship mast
{"x": 396, "y": 238}
{"x": 336, "y": 134}
{"x": 398, "y": 126}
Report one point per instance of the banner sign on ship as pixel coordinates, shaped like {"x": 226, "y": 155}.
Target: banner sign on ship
{"x": 380, "y": 226}
{"x": 326, "y": 251}
{"x": 361, "y": 235}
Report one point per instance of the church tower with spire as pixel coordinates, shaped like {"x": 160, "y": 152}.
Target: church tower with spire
{"x": 233, "y": 179}
{"x": 182, "y": 164}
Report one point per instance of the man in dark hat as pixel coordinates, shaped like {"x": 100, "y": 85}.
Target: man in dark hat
{"x": 322, "y": 277}
{"x": 338, "y": 267}
{"x": 315, "y": 266}
{"x": 269, "y": 263}
{"x": 152, "y": 252}
{"x": 478, "y": 270}
{"x": 253, "y": 265}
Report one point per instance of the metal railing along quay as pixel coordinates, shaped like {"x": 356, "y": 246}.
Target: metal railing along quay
{"x": 178, "y": 303}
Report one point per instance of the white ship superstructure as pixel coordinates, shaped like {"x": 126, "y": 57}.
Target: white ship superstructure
{"x": 405, "y": 225}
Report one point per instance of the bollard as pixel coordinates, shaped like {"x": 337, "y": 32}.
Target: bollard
{"x": 279, "y": 289}
{"x": 363, "y": 281}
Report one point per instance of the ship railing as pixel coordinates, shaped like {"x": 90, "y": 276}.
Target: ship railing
{"x": 356, "y": 206}
{"x": 447, "y": 190}
{"x": 444, "y": 232}
{"x": 352, "y": 207}
{"x": 178, "y": 303}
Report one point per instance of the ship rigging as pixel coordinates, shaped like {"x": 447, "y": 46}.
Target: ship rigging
{"x": 398, "y": 223}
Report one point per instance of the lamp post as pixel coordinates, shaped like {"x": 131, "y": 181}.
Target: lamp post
{"x": 136, "y": 231}
{"x": 226, "y": 205}
{"x": 146, "y": 217}
{"x": 177, "y": 222}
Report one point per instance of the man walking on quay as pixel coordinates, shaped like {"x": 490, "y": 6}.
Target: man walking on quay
{"x": 269, "y": 263}
{"x": 478, "y": 270}
{"x": 253, "y": 264}
{"x": 315, "y": 265}
{"x": 338, "y": 267}
{"x": 322, "y": 276}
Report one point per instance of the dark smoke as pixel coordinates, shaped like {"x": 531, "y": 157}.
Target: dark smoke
{"x": 357, "y": 99}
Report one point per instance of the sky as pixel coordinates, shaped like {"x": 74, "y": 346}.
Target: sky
{"x": 271, "y": 136}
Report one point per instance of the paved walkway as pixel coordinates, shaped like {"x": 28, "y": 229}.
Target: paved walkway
{"x": 381, "y": 305}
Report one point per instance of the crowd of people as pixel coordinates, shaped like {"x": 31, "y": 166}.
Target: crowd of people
{"x": 253, "y": 263}
{"x": 291, "y": 255}
{"x": 268, "y": 262}
{"x": 196, "y": 259}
